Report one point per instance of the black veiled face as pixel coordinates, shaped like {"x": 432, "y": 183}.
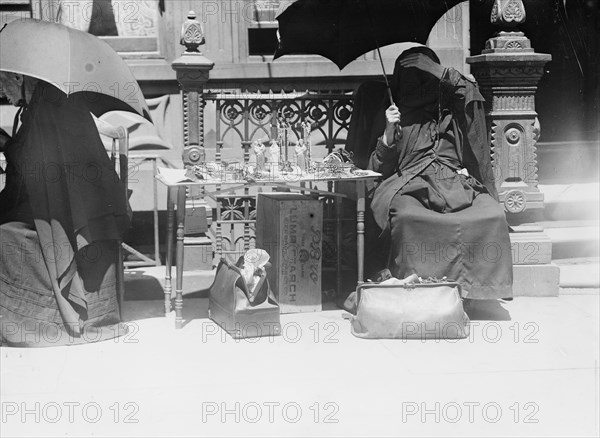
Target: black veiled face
{"x": 411, "y": 79}
{"x": 413, "y": 86}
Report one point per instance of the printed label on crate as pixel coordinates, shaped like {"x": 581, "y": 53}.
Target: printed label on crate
{"x": 301, "y": 261}
{"x": 289, "y": 227}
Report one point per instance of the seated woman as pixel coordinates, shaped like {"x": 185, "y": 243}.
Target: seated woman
{"x": 436, "y": 204}
{"x": 62, "y": 213}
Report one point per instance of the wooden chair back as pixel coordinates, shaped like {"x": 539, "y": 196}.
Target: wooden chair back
{"x": 119, "y": 156}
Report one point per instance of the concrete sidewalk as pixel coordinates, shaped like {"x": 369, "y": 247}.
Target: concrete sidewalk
{"x": 529, "y": 368}
{"x": 147, "y": 283}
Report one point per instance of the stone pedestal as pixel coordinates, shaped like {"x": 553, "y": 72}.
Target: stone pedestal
{"x": 508, "y": 71}
{"x": 536, "y": 280}
{"x": 508, "y": 80}
{"x": 533, "y": 272}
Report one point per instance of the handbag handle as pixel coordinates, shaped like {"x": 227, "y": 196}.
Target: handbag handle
{"x": 260, "y": 296}
{"x": 253, "y": 299}
{"x": 409, "y": 285}
{"x": 239, "y": 282}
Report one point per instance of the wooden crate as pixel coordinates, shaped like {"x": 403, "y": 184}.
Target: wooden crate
{"x": 290, "y": 228}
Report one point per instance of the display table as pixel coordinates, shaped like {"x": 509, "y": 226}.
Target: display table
{"x": 178, "y": 180}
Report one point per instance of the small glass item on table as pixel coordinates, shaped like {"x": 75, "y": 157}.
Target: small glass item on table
{"x": 339, "y": 162}
{"x": 301, "y": 158}
{"x": 283, "y": 130}
{"x": 306, "y": 128}
{"x": 274, "y": 155}
{"x": 259, "y": 150}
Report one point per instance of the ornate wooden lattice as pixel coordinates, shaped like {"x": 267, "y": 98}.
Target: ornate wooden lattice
{"x": 242, "y": 118}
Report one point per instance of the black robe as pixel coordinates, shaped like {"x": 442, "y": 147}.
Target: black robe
{"x": 62, "y": 212}
{"x": 437, "y": 222}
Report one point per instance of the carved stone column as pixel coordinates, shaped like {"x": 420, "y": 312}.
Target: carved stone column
{"x": 508, "y": 71}
{"x": 193, "y": 70}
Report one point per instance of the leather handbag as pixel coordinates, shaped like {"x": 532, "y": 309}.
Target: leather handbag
{"x": 410, "y": 311}
{"x": 241, "y": 312}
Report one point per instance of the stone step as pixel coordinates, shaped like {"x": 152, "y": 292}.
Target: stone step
{"x": 571, "y": 201}
{"x": 572, "y": 219}
{"x": 571, "y": 241}
{"x": 579, "y": 273}
{"x": 568, "y": 162}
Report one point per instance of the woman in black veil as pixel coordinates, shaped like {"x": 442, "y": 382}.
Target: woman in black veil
{"x": 63, "y": 212}
{"x": 436, "y": 205}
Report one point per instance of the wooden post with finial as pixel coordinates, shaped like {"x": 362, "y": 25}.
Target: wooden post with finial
{"x": 192, "y": 74}
{"x": 192, "y": 69}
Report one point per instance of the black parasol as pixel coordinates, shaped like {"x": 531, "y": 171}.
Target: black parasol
{"x": 343, "y": 30}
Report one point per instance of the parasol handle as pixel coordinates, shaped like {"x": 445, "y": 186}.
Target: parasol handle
{"x": 390, "y": 95}
{"x": 387, "y": 83}
{"x": 389, "y": 90}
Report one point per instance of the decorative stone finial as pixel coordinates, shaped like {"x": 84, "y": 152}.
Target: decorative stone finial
{"x": 508, "y": 13}
{"x": 192, "y": 35}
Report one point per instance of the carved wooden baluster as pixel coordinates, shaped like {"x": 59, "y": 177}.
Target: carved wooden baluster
{"x": 192, "y": 72}
{"x": 246, "y": 160}
{"x": 219, "y": 231}
{"x": 169, "y": 258}
{"x": 360, "y": 228}
{"x": 218, "y": 160}
{"x": 181, "y": 195}
{"x": 338, "y": 241}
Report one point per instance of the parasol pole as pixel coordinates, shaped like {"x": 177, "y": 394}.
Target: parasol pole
{"x": 385, "y": 78}
{"x": 387, "y": 83}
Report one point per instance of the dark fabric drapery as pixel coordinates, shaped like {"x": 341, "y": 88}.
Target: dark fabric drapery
{"x": 62, "y": 184}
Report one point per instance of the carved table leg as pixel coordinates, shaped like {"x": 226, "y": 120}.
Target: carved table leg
{"x": 155, "y": 214}
{"x": 169, "y": 256}
{"x": 179, "y": 261}
{"x": 360, "y": 228}
{"x": 219, "y": 232}
{"x": 338, "y": 242}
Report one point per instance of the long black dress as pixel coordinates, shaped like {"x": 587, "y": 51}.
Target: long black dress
{"x": 436, "y": 204}
{"x": 62, "y": 213}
